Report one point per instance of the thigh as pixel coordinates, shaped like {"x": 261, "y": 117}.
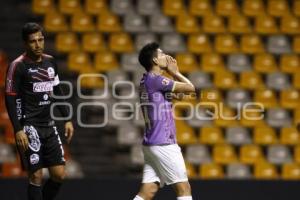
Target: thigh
{"x": 150, "y": 172}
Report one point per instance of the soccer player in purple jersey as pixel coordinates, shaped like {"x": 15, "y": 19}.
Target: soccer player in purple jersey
{"x": 164, "y": 163}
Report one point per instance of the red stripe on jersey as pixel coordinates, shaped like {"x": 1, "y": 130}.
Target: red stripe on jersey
{"x": 11, "y": 73}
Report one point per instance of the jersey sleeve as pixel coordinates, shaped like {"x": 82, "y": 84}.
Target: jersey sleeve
{"x": 56, "y": 80}
{"x": 163, "y": 84}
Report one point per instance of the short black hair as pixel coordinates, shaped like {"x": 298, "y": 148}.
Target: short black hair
{"x": 146, "y": 55}
{"x": 29, "y": 28}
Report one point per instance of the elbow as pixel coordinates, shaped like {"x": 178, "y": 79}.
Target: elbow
{"x": 192, "y": 88}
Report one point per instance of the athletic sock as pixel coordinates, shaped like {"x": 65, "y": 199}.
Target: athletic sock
{"x": 34, "y": 192}
{"x": 51, "y": 189}
{"x": 185, "y": 198}
{"x": 137, "y": 197}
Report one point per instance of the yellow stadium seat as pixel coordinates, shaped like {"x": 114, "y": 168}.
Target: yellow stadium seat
{"x": 94, "y": 7}
{"x": 66, "y": 42}
{"x": 224, "y": 154}
{"x": 266, "y": 97}
{"x": 251, "y": 43}
{"x": 108, "y": 22}
{"x": 187, "y": 62}
{"x": 213, "y": 24}
{"x": 290, "y": 63}
{"x": 69, "y": 6}
{"x": 226, "y": 7}
{"x": 93, "y": 42}
{"x": 78, "y": 61}
{"x": 251, "y": 154}
{"x": 199, "y": 43}
{"x": 296, "y": 44}
{"x": 265, "y": 63}
{"x": 296, "y": 8}
{"x": 200, "y": 7}
{"x": 213, "y": 96}
{"x": 289, "y": 136}
{"x": 253, "y": 7}
{"x": 120, "y": 43}
{"x": 296, "y": 79}
{"x": 82, "y": 22}
{"x": 211, "y": 171}
{"x": 251, "y": 80}
{"x": 278, "y": 8}
{"x": 190, "y": 170}
{"x": 225, "y": 79}
{"x": 290, "y": 25}
{"x": 265, "y": 24}
{"x": 291, "y": 171}
{"x": 42, "y": 6}
{"x": 55, "y": 22}
{"x": 226, "y": 44}
{"x": 185, "y": 134}
{"x": 289, "y": 98}
{"x": 264, "y": 135}
{"x": 226, "y": 117}
{"x": 187, "y": 24}
{"x": 297, "y": 154}
{"x": 91, "y": 82}
{"x": 239, "y": 24}
{"x": 264, "y": 170}
{"x": 252, "y": 116}
{"x": 173, "y": 7}
{"x": 211, "y": 135}
{"x": 105, "y": 61}
{"x": 212, "y": 62}
{"x": 297, "y": 115}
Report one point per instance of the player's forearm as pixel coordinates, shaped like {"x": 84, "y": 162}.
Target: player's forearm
{"x": 179, "y": 77}
{"x": 13, "y": 106}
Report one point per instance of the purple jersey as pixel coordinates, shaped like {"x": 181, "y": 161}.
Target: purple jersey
{"x": 155, "y": 98}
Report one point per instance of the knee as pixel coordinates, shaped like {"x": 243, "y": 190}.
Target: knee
{"x": 183, "y": 189}
{"x": 58, "y": 176}
{"x": 148, "y": 192}
{"x": 36, "y": 177}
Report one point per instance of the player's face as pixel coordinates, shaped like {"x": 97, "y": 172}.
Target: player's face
{"x": 35, "y": 43}
{"x": 161, "y": 59}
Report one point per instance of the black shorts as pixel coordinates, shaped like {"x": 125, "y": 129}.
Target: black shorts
{"x": 45, "y": 148}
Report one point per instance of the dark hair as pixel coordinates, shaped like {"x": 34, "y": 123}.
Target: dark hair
{"x": 30, "y": 28}
{"x": 146, "y": 55}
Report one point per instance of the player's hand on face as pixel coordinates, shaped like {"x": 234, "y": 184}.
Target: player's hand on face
{"x": 22, "y": 140}
{"x": 69, "y": 131}
{"x": 172, "y": 65}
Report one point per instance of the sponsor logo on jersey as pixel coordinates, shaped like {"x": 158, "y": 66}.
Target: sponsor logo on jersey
{"x": 19, "y": 108}
{"x": 51, "y": 72}
{"x": 43, "y": 86}
{"x": 32, "y": 70}
{"x": 34, "y": 158}
{"x": 41, "y": 103}
{"x": 45, "y": 97}
{"x": 165, "y": 81}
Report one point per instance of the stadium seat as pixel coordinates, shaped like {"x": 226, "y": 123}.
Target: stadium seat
{"x": 134, "y": 23}
{"x": 187, "y": 62}
{"x": 278, "y": 117}
{"x": 251, "y": 154}
{"x": 185, "y": 134}
{"x": 226, "y": 117}
{"x": 266, "y": 97}
{"x": 200, "y": 7}
{"x": 226, "y": 44}
{"x": 290, "y": 24}
{"x": 239, "y": 24}
{"x": 211, "y": 171}
{"x": 41, "y": 7}
{"x": 116, "y": 75}
{"x": 264, "y": 63}
{"x": 264, "y": 170}
{"x": 55, "y": 22}
{"x": 69, "y": 6}
{"x": 94, "y": 7}
{"x": 278, "y": 44}
{"x": 199, "y": 43}
{"x": 160, "y": 23}
{"x": 226, "y": 7}
{"x": 296, "y": 44}
{"x": 278, "y": 8}
{"x": 251, "y": 80}
{"x": 238, "y": 63}
{"x": 66, "y": 42}
{"x": 289, "y": 136}
{"x": 264, "y": 135}
{"x": 7, "y": 153}
{"x": 82, "y": 22}
{"x": 235, "y": 98}
{"x": 251, "y": 44}
{"x": 296, "y": 8}
{"x": 296, "y": 115}
{"x": 290, "y": 171}
{"x": 73, "y": 169}
{"x": 200, "y": 118}
{"x": 173, "y": 43}
{"x": 211, "y": 135}
{"x": 191, "y": 171}
{"x": 136, "y": 155}
{"x": 224, "y": 154}
{"x": 213, "y": 24}
{"x": 197, "y": 154}
{"x": 289, "y": 99}
{"x": 212, "y": 62}
{"x": 278, "y": 154}
{"x": 238, "y": 136}
{"x": 128, "y": 135}
{"x": 225, "y": 80}
{"x": 200, "y": 79}
{"x": 105, "y": 61}
{"x": 278, "y": 81}
{"x": 187, "y": 24}
{"x": 147, "y": 7}
{"x": 210, "y": 95}
{"x": 238, "y": 171}
{"x": 173, "y": 7}
{"x": 93, "y": 42}
{"x": 252, "y": 116}
{"x": 121, "y": 8}
{"x": 78, "y": 61}
{"x": 129, "y": 62}
{"x": 296, "y": 79}
{"x": 253, "y": 8}
{"x": 120, "y": 43}
{"x": 297, "y": 154}
{"x": 289, "y": 63}
{"x": 142, "y": 39}
{"x": 108, "y": 22}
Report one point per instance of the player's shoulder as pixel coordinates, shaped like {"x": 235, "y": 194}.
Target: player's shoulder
{"x": 17, "y": 62}
{"x": 47, "y": 57}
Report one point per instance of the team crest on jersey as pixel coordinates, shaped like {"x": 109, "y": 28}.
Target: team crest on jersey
{"x": 34, "y": 140}
{"x": 34, "y": 158}
{"x": 165, "y": 81}
{"x": 51, "y": 72}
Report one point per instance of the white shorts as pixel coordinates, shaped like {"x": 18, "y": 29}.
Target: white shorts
{"x": 164, "y": 164}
